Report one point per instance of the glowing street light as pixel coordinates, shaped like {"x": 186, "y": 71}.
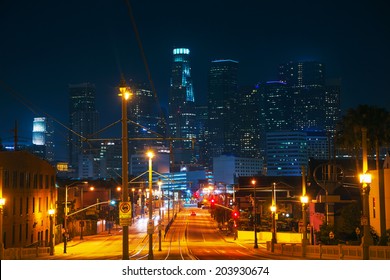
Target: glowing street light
{"x": 365, "y": 180}
{"x": 150, "y": 228}
{"x": 125, "y": 93}
{"x": 159, "y": 183}
{"x": 304, "y": 201}
{"x": 255, "y": 213}
{"x": 2, "y": 203}
{"x": 273, "y": 210}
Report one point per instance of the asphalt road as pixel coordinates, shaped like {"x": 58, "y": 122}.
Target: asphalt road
{"x": 189, "y": 238}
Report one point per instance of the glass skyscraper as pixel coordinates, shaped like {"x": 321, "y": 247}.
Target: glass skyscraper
{"x": 42, "y": 138}
{"x": 83, "y": 122}
{"x": 222, "y": 108}
{"x": 314, "y": 103}
{"x": 181, "y": 108}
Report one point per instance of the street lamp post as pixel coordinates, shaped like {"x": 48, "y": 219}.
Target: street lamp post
{"x": 304, "y": 201}
{"x": 132, "y": 205}
{"x": 273, "y": 210}
{"x": 51, "y": 235}
{"x": 65, "y": 230}
{"x": 125, "y": 94}
{"x": 255, "y": 213}
{"x": 365, "y": 180}
{"x": 159, "y": 183}
{"x": 2, "y": 203}
{"x": 150, "y": 155}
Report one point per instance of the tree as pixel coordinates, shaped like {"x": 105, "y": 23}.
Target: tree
{"x": 377, "y": 122}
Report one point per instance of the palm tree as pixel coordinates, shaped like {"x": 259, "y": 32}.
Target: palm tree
{"x": 377, "y": 122}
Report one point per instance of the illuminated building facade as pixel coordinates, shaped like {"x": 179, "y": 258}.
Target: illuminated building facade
{"x": 42, "y": 138}
{"x": 28, "y": 186}
{"x": 181, "y": 107}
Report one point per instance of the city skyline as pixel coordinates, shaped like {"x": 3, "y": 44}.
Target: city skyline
{"x": 48, "y": 47}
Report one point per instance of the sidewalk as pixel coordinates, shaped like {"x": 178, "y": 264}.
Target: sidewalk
{"x": 262, "y": 247}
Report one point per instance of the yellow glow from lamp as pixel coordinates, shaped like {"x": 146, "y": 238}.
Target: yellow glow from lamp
{"x": 304, "y": 199}
{"x": 365, "y": 178}
{"x": 51, "y": 212}
{"x": 124, "y": 92}
{"x": 2, "y": 201}
{"x": 273, "y": 208}
{"x": 150, "y": 154}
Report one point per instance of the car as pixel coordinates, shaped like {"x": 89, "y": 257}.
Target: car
{"x": 193, "y": 213}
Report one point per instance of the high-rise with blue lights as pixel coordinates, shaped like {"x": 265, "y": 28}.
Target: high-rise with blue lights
{"x": 42, "y": 138}
{"x": 181, "y": 108}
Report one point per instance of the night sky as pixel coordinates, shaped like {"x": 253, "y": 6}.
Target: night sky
{"x": 47, "y": 45}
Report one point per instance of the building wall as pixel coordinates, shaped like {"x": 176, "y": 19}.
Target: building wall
{"x": 28, "y": 185}
{"x": 374, "y": 200}
{"x": 286, "y": 153}
{"x": 227, "y": 168}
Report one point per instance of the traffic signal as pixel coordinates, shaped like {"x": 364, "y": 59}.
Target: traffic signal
{"x": 212, "y": 202}
{"x": 235, "y": 214}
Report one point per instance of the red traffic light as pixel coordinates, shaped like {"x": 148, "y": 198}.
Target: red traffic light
{"x": 235, "y": 214}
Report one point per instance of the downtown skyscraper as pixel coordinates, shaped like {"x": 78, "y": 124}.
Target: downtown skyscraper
{"x": 181, "y": 107}
{"x": 83, "y": 123}
{"x": 314, "y": 101}
{"x": 42, "y": 138}
{"x": 297, "y": 114}
{"x": 145, "y": 117}
{"x": 222, "y": 109}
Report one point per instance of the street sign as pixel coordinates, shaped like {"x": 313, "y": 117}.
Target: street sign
{"x": 150, "y": 228}
{"x": 125, "y": 214}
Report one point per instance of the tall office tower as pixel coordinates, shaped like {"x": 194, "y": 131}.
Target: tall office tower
{"x": 145, "y": 118}
{"x": 306, "y": 82}
{"x": 83, "y": 121}
{"x": 248, "y": 127}
{"x": 181, "y": 108}
{"x": 275, "y": 109}
{"x": 42, "y": 138}
{"x": 222, "y": 113}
